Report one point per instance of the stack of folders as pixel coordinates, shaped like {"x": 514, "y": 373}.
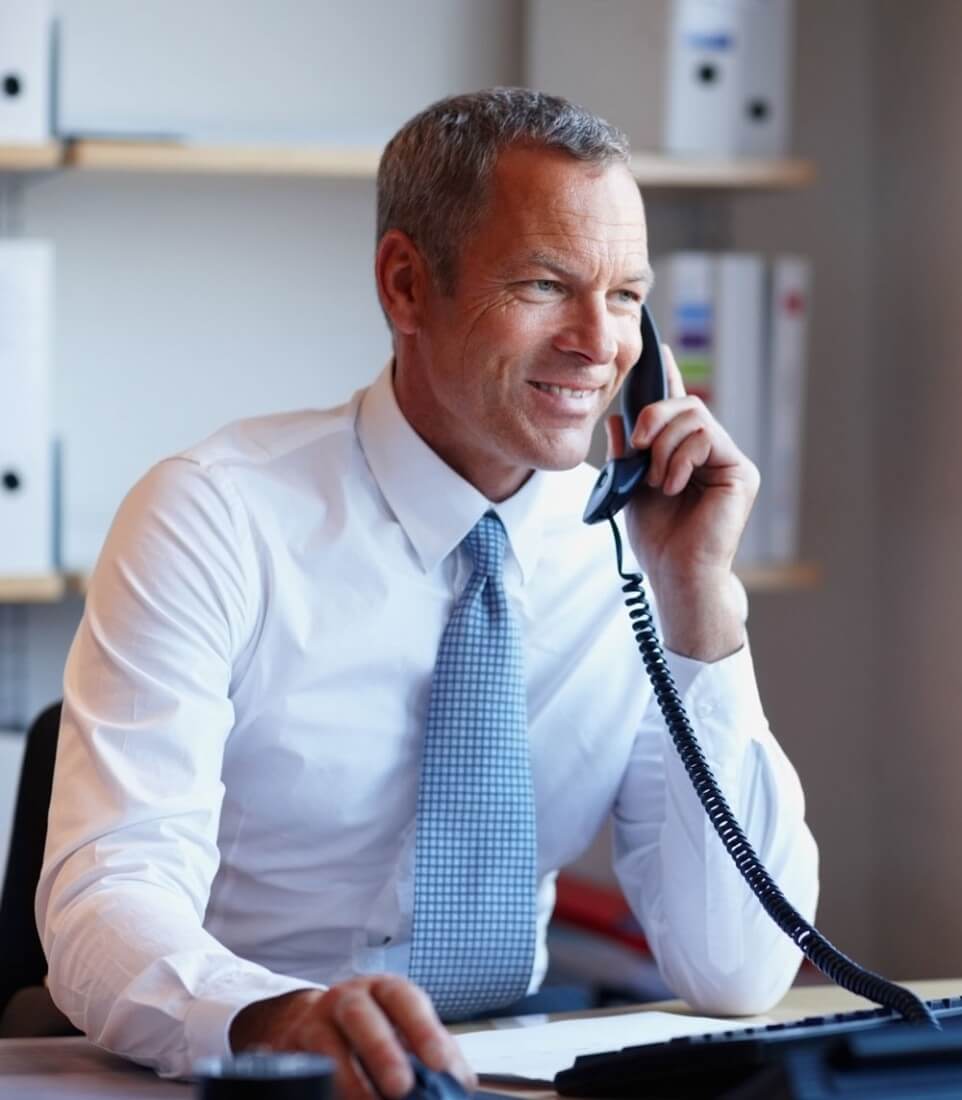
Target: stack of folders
{"x": 26, "y": 468}
{"x": 738, "y": 327}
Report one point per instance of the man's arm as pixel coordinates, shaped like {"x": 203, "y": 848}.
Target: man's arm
{"x": 131, "y": 845}
{"x": 715, "y": 945}
{"x": 132, "y": 841}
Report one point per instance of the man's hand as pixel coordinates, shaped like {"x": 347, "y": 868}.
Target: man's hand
{"x": 367, "y": 1025}
{"x": 686, "y": 522}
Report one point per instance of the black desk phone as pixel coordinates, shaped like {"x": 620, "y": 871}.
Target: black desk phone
{"x": 616, "y": 484}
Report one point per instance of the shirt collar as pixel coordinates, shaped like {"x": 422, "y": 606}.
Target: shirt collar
{"x": 435, "y": 506}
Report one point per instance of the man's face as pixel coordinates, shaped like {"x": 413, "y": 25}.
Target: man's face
{"x": 516, "y": 367}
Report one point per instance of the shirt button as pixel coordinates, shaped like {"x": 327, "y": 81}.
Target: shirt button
{"x": 706, "y": 709}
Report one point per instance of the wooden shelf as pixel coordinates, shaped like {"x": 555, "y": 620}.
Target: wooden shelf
{"x": 31, "y": 158}
{"x": 45, "y": 588}
{"x": 780, "y": 578}
{"x": 655, "y": 172}
{"x": 652, "y": 170}
{"x": 48, "y": 589}
{"x": 129, "y": 156}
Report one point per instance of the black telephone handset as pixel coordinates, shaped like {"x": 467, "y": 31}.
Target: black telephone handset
{"x": 645, "y": 384}
{"x": 615, "y": 485}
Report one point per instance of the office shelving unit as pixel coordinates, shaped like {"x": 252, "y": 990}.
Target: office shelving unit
{"x": 653, "y": 171}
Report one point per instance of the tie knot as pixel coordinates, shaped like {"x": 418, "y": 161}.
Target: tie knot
{"x": 486, "y": 542}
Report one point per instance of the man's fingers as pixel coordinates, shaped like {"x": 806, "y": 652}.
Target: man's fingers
{"x": 368, "y": 1032}
{"x": 411, "y": 1012}
{"x": 686, "y": 458}
{"x": 653, "y": 418}
{"x": 669, "y": 439}
{"x": 351, "y": 1081}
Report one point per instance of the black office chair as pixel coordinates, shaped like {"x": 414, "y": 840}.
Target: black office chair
{"x": 26, "y": 1008}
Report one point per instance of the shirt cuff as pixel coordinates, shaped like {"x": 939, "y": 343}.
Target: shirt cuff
{"x": 722, "y": 702}
{"x": 208, "y": 1020}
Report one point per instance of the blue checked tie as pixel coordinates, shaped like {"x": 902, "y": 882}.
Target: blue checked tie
{"x": 475, "y": 871}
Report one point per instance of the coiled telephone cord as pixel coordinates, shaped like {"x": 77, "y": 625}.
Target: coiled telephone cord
{"x": 814, "y": 946}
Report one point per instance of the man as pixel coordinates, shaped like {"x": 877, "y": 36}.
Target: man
{"x": 244, "y": 842}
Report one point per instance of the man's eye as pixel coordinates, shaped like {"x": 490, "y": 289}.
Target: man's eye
{"x": 545, "y": 286}
{"x": 628, "y": 296}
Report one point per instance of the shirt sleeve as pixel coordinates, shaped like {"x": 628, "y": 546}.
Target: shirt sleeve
{"x": 132, "y": 838}
{"x": 715, "y": 945}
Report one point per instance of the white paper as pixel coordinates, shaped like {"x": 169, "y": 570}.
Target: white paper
{"x": 538, "y": 1053}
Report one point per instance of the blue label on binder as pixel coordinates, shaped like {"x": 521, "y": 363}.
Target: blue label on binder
{"x": 711, "y": 41}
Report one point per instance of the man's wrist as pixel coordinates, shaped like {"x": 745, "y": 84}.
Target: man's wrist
{"x": 701, "y": 615}
{"x": 255, "y": 1023}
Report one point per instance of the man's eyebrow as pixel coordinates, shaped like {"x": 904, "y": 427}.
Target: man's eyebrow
{"x": 643, "y": 275}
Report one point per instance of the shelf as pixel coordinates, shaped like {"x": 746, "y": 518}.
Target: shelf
{"x": 131, "y": 156}
{"x": 651, "y": 170}
{"x": 45, "y": 588}
{"x": 49, "y": 589}
{"x": 30, "y": 158}
{"x": 780, "y": 578}
{"x": 655, "y": 172}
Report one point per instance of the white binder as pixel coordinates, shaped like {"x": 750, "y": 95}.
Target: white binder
{"x": 25, "y": 67}
{"x": 683, "y": 305}
{"x": 790, "y": 293}
{"x": 729, "y": 77}
{"x": 737, "y": 380}
{"x": 26, "y": 491}
{"x": 764, "y": 111}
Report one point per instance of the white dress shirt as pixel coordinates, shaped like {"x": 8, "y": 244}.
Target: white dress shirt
{"x": 233, "y": 811}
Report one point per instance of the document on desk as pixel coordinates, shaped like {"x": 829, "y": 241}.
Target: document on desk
{"x": 536, "y": 1053}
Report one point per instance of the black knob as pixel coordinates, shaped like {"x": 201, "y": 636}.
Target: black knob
{"x": 707, "y": 73}
{"x": 12, "y": 84}
{"x": 11, "y": 481}
{"x": 758, "y": 110}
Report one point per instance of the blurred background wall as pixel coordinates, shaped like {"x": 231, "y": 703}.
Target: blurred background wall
{"x": 184, "y": 302}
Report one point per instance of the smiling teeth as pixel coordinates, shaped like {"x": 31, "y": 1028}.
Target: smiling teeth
{"x": 561, "y": 391}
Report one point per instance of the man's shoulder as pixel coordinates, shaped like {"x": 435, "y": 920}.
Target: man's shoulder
{"x": 262, "y": 441}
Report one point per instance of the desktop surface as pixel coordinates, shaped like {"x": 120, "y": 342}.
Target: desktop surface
{"x": 74, "y": 1069}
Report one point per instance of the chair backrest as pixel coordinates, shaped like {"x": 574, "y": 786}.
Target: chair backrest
{"x": 24, "y": 963}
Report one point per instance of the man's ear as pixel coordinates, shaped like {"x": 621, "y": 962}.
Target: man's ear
{"x": 403, "y": 280}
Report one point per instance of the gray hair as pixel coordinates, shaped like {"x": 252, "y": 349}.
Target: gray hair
{"x": 433, "y": 178}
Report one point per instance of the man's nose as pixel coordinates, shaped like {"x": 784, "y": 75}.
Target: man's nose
{"x": 589, "y": 332}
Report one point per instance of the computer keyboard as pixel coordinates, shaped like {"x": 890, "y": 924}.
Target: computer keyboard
{"x": 840, "y": 1052}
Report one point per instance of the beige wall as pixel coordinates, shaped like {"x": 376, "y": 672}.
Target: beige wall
{"x": 917, "y": 379}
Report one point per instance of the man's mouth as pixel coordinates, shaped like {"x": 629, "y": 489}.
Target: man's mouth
{"x": 562, "y": 391}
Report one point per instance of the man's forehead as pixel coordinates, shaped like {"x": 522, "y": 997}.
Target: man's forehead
{"x": 549, "y": 192}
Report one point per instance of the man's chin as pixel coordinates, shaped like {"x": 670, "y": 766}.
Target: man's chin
{"x": 561, "y": 458}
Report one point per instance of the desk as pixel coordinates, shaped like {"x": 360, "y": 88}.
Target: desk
{"x": 74, "y": 1069}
